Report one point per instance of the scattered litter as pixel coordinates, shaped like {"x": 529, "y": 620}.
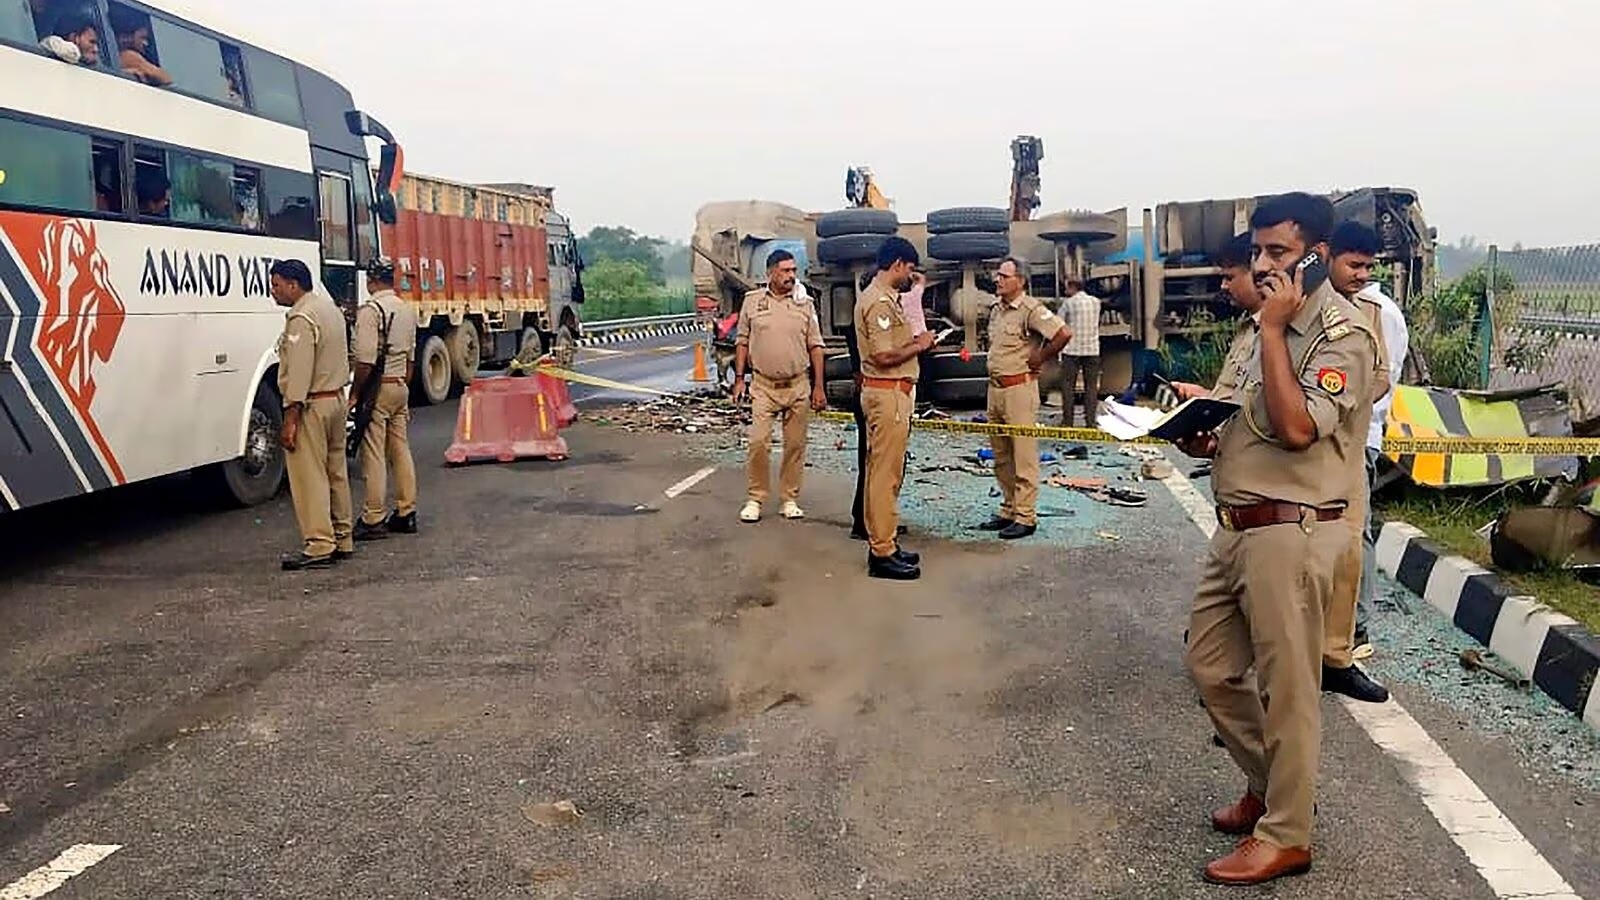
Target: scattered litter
{"x": 1157, "y": 469}
{"x": 1108, "y": 536}
{"x": 561, "y": 812}
{"x": 1472, "y": 660}
{"x": 686, "y": 415}
{"x": 4, "y": 809}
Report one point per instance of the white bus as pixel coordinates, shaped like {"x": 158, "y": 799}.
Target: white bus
{"x": 145, "y": 190}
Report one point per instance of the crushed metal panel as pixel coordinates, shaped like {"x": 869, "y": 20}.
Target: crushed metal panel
{"x": 1441, "y": 412}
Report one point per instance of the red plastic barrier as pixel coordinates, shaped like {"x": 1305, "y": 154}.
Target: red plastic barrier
{"x": 506, "y": 418}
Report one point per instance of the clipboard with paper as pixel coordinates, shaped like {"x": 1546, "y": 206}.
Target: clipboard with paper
{"x": 1194, "y": 416}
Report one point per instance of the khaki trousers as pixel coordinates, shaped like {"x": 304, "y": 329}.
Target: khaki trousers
{"x": 385, "y": 451}
{"x": 888, "y": 431}
{"x": 1260, "y": 603}
{"x": 767, "y": 403}
{"x": 1339, "y": 620}
{"x": 319, "y": 480}
{"x": 1016, "y": 459}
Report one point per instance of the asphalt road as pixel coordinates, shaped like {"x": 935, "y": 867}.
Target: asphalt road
{"x": 733, "y": 711}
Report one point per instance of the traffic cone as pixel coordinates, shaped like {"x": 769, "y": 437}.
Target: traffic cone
{"x": 700, "y": 376}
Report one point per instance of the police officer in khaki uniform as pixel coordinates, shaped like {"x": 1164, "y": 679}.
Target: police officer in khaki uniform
{"x": 386, "y": 447}
{"x": 1351, "y": 252}
{"x": 313, "y": 369}
{"x": 1281, "y": 479}
{"x": 1015, "y": 357}
{"x": 780, "y": 338}
{"x": 889, "y": 372}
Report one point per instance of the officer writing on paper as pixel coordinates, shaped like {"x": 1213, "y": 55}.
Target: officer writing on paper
{"x": 1023, "y": 333}
{"x": 780, "y": 338}
{"x": 1282, "y": 483}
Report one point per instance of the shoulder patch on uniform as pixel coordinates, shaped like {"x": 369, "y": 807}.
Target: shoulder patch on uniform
{"x": 884, "y": 322}
{"x": 1338, "y": 331}
{"x": 1332, "y": 380}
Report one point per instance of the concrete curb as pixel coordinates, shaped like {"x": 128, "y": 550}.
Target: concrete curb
{"x": 1559, "y": 654}
{"x": 643, "y": 331}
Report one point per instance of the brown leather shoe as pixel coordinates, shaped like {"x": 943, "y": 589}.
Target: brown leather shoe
{"x": 1258, "y": 862}
{"x": 1241, "y": 817}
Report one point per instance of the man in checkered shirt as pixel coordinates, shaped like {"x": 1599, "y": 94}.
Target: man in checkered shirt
{"x": 1081, "y": 311}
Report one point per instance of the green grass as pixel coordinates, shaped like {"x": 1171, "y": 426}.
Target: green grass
{"x": 1453, "y": 521}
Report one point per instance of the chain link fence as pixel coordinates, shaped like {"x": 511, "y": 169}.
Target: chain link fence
{"x": 1545, "y": 306}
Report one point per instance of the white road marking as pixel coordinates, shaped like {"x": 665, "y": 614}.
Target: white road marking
{"x": 673, "y": 492}
{"x": 73, "y": 861}
{"x": 1512, "y": 866}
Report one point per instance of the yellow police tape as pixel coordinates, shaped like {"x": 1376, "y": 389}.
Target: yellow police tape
{"x": 1507, "y": 446}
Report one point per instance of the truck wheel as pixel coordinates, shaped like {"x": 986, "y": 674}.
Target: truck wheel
{"x": 253, "y": 478}
{"x": 982, "y": 219}
{"x": 969, "y": 246}
{"x": 857, "y": 221}
{"x": 433, "y": 371}
{"x": 465, "y": 355}
{"x": 565, "y": 346}
{"x": 849, "y": 248}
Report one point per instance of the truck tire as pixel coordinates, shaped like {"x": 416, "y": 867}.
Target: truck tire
{"x": 564, "y": 345}
{"x": 433, "y": 371}
{"x": 255, "y": 477}
{"x": 850, "y": 248}
{"x": 465, "y": 353}
{"x": 969, "y": 246}
{"x": 979, "y": 219}
{"x": 857, "y": 221}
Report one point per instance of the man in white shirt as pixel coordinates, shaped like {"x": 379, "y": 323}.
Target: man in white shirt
{"x": 1081, "y": 312}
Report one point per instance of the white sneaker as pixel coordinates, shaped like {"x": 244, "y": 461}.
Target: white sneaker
{"x": 751, "y": 512}
{"x": 791, "y": 510}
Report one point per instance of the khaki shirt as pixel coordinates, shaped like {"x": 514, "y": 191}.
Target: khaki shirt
{"x": 313, "y": 351}
{"x": 1335, "y": 355}
{"x": 1011, "y": 329}
{"x": 780, "y": 333}
{"x": 1374, "y": 319}
{"x": 1237, "y": 361}
{"x": 386, "y": 306}
{"x": 881, "y": 325}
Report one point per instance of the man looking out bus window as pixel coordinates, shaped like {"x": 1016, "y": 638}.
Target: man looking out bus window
{"x": 313, "y": 368}
{"x": 74, "y": 39}
{"x": 133, "y": 45}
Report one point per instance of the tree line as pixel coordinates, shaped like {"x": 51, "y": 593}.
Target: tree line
{"x": 627, "y": 274}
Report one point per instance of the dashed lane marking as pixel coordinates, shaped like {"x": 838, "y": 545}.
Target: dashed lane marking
{"x": 1512, "y": 866}
{"x": 72, "y": 862}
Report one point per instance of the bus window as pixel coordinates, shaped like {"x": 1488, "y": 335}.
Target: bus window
{"x": 135, "y": 49}
{"x": 272, "y": 86}
{"x": 152, "y": 187}
{"x": 108, "y": 176}
{"x": 45, "y": 167}
{"x": 247, "y": 198}
{"x": 16, "y": 23}
{"x": 334, "y": 193}
{"x": 289, "y": 209}
{"x": 193, "y": 60}
{"x": 366, "y": 226}
{"x": 202, "y": 189}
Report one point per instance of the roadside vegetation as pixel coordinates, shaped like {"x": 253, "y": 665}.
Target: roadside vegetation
{"x": 627, "y": 275}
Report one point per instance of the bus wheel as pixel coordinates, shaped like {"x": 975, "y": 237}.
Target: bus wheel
{"x": 464, "y": 351}
{"x": 433, "y": 371}
{"x": 254, "y": 477}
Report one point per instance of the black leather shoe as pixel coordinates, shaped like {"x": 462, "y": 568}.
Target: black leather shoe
{"x": 1017, "y": 530}
{"x": 342, "y": 555}
{"x": 908, "y": 557}
{"x": 365, "y": 532}
{"x": 891, "y": 568}
{"x": 996, "y": 524}
{"x": 1353, "y": 683}
{"x": 295, "y": 562}
{"x": 403, "y": 524}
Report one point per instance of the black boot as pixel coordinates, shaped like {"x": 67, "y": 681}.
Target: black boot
{"x": 892, "y": 568}
{"x": 907, "y": 557}
{"x": 295, "y": 562}
{"x": 365, "y": 532}
{"x": 998, "y": 523}
{"x": 406, "y": 524}
{"x": 1353, "y": 683}
{"x": 1017, "y": 530}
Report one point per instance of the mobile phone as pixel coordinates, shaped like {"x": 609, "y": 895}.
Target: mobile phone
{"x": 1313, "y": 271}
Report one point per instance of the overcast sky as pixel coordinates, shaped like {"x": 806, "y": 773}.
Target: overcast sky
{"x": 638, "y": 114}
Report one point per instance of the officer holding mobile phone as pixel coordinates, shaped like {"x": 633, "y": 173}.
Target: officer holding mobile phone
{"x": 1282, "y": 486}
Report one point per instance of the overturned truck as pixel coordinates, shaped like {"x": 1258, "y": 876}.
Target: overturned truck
{"x": 1158, "y": 281}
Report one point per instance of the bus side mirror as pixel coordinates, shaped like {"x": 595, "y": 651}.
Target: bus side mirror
{"x": 391, "y": 168}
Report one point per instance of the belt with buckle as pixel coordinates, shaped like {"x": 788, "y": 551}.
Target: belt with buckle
{"x": 323, "y": 395}
{"x": 1272, "y": 512}
{"x": 903, "y": 385}
{"x": 1009, "y": 381}
{"x": 781, "y": 384}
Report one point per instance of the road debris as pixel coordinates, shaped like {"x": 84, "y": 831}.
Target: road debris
{"x": 673, "y": 415}
{"x": 561, "y": 812}
{"x": 1472, "y": 660}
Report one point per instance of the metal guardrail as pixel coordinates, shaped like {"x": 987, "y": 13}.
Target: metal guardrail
{"x": 614, "y": 325}
{"x": 1565, "y": 324}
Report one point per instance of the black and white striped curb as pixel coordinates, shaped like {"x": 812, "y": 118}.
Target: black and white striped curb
{"x": 624, "y": 335}
{"x": 1560, "y": 655}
